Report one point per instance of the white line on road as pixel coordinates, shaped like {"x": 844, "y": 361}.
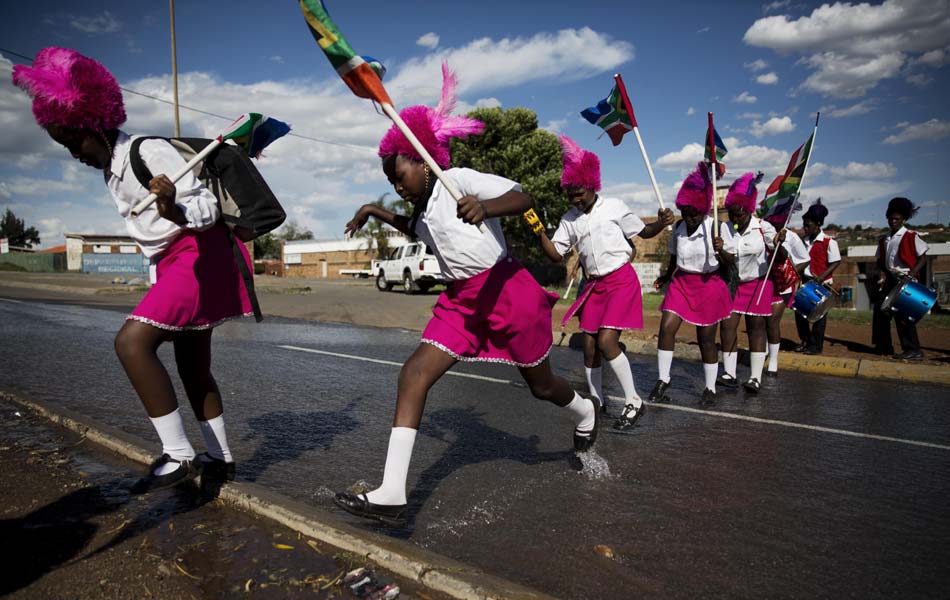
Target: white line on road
{"x": 712, "y": 413}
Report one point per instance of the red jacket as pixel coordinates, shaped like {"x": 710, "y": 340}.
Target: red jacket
{"x": 906, "y": 251}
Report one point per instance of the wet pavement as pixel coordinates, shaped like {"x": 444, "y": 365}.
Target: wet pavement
{"x": 70, "y": 529}
{"x": 819, "y": 486}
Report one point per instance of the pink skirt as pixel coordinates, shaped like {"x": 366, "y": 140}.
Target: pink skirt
{"x": 199, "y": 285}
{"x": 786, "y": 297}
{"x": 500, "y": 315}
{"x": 698, "y": 298}
{"x": 613, "y": 301}
{"x": 745, "y": 300}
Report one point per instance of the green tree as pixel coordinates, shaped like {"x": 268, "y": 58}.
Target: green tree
{"x": 375, "y": 231}
{"x": 291, "y": 230}
{"x": 512, "y": 146}
{"x": 267, "y": 246}
{"x": 16, "y": 231}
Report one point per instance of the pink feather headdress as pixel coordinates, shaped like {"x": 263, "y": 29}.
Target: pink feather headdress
{"x": 71, "y": 90}
{"x": 435, "y": 128}
{"x": 581, "y": 167}
{"x": 696, "y": 190}
{"x": 743, "y": 192}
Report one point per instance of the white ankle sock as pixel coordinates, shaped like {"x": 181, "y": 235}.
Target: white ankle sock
{"x": 393, "y": 489}
{"x": 582, "y": 412}
{"x": 171, "y": 430}
{"x": 595, "y": 382}
{"x": 664, "y": 360}
{"x": 621, "y": 369}
{"x": 757, "y": 361}
{"x": 216, "y": 440}
{"x": 710, "y": 370}
{"x": 773, "y": 357}
{"x": 729, "y": 362}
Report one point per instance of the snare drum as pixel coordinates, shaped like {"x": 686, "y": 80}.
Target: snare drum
{"x": 812, "y": 301}
{"x": 909, "y": 301}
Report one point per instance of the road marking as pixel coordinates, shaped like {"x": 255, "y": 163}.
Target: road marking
{"x": 712, "y": 413}
{"x": 395, "y": 364}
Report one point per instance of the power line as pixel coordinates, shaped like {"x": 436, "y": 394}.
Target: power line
{"x": 205, "y": 112}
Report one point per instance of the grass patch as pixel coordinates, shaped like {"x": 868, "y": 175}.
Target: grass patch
{"x": 5, "y": 266}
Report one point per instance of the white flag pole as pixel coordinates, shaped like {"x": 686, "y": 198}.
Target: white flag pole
{"x": 141, "y": 206}
{"x": 798, "y": 192}
{"x": 417, "y": 145}
{"x": 713, "y": 168}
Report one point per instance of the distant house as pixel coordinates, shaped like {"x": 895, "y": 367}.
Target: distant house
{"x": 327, "y": 258}
{"x": 96, "y": 253}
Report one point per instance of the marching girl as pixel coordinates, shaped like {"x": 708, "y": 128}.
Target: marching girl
{"x": 79, "y": 103}
{"x": 824, "y": 258}
{"x": 899, "y": 257}
{"x": 493, "y": 309}
{"x": 753, "y": 239}
{"x": 697, "y": 294}
{"x": 602, "y": 230}
{"x": 793, "y": 248}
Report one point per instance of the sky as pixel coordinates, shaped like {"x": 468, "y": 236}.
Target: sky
{"x": 877, "y": 72}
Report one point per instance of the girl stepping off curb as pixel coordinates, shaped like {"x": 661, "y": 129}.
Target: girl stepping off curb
{"x": 602, "y": 230}
{"x": 79, "y": 103}
{"x": 493, "y": 309}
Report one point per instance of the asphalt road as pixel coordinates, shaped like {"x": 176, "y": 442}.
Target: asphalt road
{"x": 818, "y": 487}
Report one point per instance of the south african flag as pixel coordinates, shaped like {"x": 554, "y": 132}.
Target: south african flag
{"x": 611, "y": 115}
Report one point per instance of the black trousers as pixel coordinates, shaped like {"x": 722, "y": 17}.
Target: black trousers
{"x": 811, "y": 334}
{"x": 881, "y": 325}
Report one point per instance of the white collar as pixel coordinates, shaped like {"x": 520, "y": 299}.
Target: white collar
{"x": 120, "y": 154}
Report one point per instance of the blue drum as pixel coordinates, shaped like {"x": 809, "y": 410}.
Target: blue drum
{"x": 812, "y": 301}
{"x": 910, "y": 301}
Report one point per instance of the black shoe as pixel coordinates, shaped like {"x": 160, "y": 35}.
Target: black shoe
{"x": 752, "y": 386}
{"x": 584, "y": 440}
{"x": 910, "y": 355}
{"x": 709, "y": 398}
{"x": 812, "y": 351}
{"x": 659, "y": 392}
{"x": 771, "y": 374}
{"x": 884, "y": 351}
{"x": 214, "y": 469}
{"x": 359, "y": 505}
{"x": 629, "y": 417}
{"x": 727, "y": 380}
{"x": 151, "y": 482}
{"x": 800, "y": 348}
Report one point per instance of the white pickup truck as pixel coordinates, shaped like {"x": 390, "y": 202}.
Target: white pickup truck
{"x": 412, "y": 266}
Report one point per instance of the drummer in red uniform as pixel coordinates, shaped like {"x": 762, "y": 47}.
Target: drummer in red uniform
{"x": 899, "y": 257}
{"x": 825, "y": 258}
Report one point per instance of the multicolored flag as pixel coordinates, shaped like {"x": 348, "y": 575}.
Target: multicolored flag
{"x": 714, "y": 141}
{"x": 356, "y": 72}
{"x": 784, "y": 188}
{"x": 254, "y": 132}
{"x": 612, "y": 116}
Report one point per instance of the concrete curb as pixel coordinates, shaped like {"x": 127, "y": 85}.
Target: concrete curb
{"x": 436, "y": 572}
{"x": 822, "y": 365}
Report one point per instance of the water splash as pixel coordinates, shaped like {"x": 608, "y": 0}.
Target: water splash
{"x": 594, "y": 466}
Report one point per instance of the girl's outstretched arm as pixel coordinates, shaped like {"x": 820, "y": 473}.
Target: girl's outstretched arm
{"x": 400, "y": 222}
{"x": 474, "y": 211}
{"x": 548, "y": 246}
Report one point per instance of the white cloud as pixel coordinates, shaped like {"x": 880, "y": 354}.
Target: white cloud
{"x": 767, "y": 79}
{"x": 745, "y": 98}
{"x": 749, "y": 115}
{"x": 91, "y": 25}
{"x": 934, "y": 58}
{"x": 919, "y": 79}
{"x": 488, "y": 64}
{"x": 429, "y": 40}
{"x": 856, "y": 170}
{"x": 775, "y": 6}
{"x": 773, "y": 126}
{"x": 703, "y": 30}
{"x": 690, "y": 111}
{"x": 756, "y": 65}
{"x": 741, "y": 158}
{"x": 276, "y": 58}
{"x": 861, "y": 108}
{"x": 851, "y": 47}
{"x": 556, "y": 125}
{"x": 934, "y": 129}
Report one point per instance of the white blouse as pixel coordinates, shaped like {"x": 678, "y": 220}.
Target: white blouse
{"x": 152, "y": 232}
{"x": 753, "y": 260}
{"x": 461, "y": 249}
{"x": 695, "y": 253}
{"x": 600, "y": 235}
{"x": 892, "y": 261}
